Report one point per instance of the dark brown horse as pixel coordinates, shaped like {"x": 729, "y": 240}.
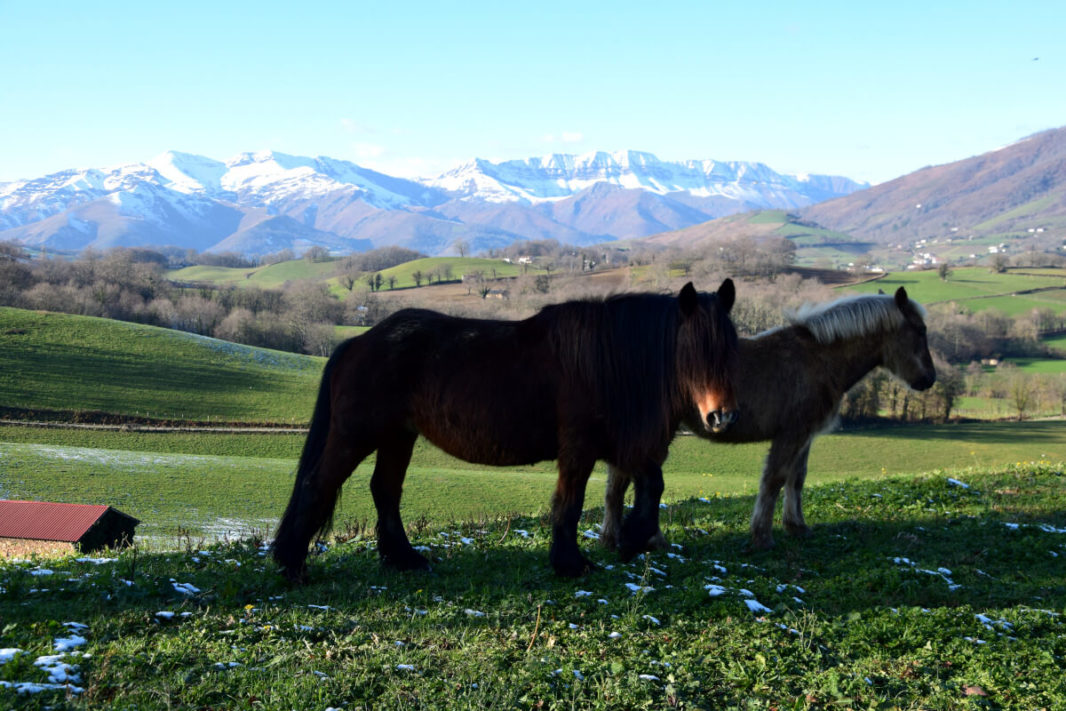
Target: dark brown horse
{"x": 580, "y": 381}
{"x": 792, "y": 380}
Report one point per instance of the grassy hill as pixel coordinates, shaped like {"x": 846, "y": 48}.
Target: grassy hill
{"x": 77, "y": 364}
{"x": 815, "y": 246}
{"x": 276, "y": 275}
{"x": 1015, "y": 292}
{"x": 267, "y": 277}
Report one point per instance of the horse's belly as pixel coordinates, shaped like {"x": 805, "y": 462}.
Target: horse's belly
{"x": 503, "y": 440}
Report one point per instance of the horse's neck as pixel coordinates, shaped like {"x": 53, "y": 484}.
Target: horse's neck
{"x": 850, "y": 359}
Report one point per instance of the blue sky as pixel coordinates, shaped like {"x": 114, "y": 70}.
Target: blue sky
{"x": 867, "y": 90}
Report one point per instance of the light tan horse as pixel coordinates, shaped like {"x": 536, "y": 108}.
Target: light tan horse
{"x": 792, "y": 380}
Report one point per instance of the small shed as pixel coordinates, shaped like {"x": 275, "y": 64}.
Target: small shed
{"x": 43, "y": 527}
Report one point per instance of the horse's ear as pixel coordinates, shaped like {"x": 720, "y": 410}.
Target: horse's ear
{"x": 880, "y": 292}
{"x": 688, "y": 299}
{"x": 727, "y": 295}
{"x": 901, "y": 298}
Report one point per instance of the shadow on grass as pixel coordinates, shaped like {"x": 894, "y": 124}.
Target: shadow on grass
{"x": 1037, "y": 432}
{"x": 922, "y": 543}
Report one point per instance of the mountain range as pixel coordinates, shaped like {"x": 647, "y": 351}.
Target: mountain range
{"x": 259, "y": 203}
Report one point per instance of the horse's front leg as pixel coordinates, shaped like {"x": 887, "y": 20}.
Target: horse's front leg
{"x": 792, "y": 517}
{"x": 775, "y": 472}
{"x": 567, "y": 502}
{"x": 642, "y": 523}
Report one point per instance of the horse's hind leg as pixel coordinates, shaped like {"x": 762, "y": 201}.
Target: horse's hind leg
{"x": 640, "y": 530}
{"x": 613, "y": 505}
{"x": 386, "y": 485}
{"x": 313, "y": 501}
{"x": 792, "y": 517}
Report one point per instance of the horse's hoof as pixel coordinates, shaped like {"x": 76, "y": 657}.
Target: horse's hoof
{"x": 658, "y": 542}
{"x": 410, "y": 560}
{"x": 801, "y": 530}
{"x": 608, "y": 541}
{"x": 573, "y": 567}
{"x": 760, "y": 543}
{"x": 627, "y": 551}
{"x": 296, "y": 575}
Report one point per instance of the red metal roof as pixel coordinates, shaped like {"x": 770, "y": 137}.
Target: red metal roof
{"x": 45, "y": 521}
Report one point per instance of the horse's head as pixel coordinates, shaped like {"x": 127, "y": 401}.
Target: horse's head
{"x": 708, "y": 363}
{"x": 907, "y": 352}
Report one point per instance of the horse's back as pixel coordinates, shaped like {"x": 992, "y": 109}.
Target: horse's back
{"x": 482, "y": 390}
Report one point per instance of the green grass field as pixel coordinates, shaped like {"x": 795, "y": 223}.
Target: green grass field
{"x": 1057, "y": 342}
{"x": 933, "y": 577}
{"x": 1040, "y": 365}
{"x": 276, "y": 275}
{"x": 978, "y": 288}
{"x": 205, "y": 482}
{"x": 917, "y": 593}
{"x": 458, "y": 265}
{"x": 80, "y": 364}
{"x": 267, "y": 277}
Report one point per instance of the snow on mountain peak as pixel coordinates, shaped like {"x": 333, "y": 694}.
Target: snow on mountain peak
{"x": 558, "y": 176}
{"x": 188, "y": 173}
{"x": 181, "y": 198}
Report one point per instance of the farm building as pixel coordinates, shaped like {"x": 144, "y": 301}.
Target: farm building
{"x": 42, "y": 527}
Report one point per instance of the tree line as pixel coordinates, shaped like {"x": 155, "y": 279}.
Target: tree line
{"x": 131, "y": 285}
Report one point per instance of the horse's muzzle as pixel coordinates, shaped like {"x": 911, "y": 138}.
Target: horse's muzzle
{"x": 924, "y": 382}
{"x": 719, "y": 421}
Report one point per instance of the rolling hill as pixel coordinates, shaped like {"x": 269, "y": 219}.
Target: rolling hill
{"x": 118, "y": 370}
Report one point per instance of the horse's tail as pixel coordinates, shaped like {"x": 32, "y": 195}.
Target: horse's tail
{"x": 301, "y": 522}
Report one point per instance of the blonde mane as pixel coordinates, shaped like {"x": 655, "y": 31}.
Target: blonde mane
{"x": 850, "y": 317}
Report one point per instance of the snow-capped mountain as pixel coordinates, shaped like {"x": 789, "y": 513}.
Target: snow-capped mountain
{"x": 559, "y": 176}
{"x": 257, "y": 203}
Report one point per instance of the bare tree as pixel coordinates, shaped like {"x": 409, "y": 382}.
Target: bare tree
{"x": 1020, "y": 390}
{"x": 316, "y": 253}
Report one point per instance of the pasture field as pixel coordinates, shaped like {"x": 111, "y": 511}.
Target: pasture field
{"x": 51, "y": 361}
{"x": 267, "y": 277}
{"x": 1057, "y": 342}
{"x": 276, "y": 275}
{"x": 928, "y": 592}
{"x": 978, "y": 288}
{"x": 207, "y": 484}
{"x": 1040, "y": 365}
{"x": 491, "y": 268}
